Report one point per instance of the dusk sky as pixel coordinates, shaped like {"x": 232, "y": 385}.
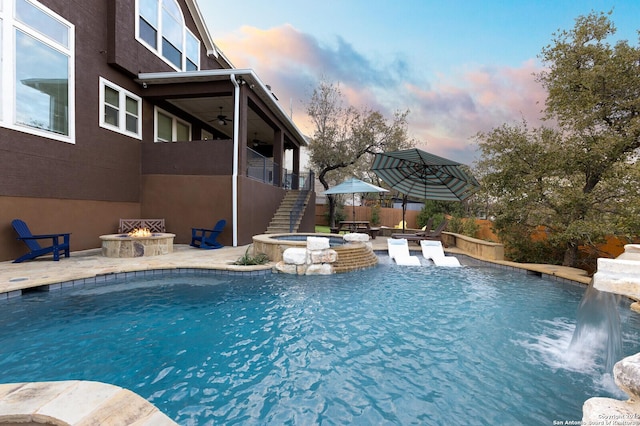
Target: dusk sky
{"x": 460, "y": 67}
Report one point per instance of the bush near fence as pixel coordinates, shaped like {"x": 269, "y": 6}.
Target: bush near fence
{"x": 390, "y": 217}
{"x": 387, "y": 216}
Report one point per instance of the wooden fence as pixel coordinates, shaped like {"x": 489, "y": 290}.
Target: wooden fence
{"x": 391, "y": 217}
{"x": 387, "y": 216}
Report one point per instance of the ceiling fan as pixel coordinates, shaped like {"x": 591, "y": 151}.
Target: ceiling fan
{"x": 256, "y": 141}
{"x": 222, "y": 119}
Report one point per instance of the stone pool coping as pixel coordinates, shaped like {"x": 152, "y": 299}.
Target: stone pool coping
{"x": 87, "y": 267}
{"x": 75, "y": 402}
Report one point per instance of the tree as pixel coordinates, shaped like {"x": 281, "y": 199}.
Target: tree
{"x": 345, "y": 138}
{"x": 580, "y": 179}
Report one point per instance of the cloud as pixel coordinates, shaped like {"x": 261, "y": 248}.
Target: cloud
{"x": 445, "y": 113}
{"x": 452, "y": 112}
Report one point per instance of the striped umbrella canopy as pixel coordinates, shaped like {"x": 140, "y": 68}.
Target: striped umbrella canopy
{"x": 422, "y": 175}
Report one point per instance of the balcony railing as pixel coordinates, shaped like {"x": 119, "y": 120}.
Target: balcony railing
{"x": 265, "y": 170}
{"x": 260, "y": 167}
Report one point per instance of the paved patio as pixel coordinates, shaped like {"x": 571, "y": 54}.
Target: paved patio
{"x": 88, "y": 264}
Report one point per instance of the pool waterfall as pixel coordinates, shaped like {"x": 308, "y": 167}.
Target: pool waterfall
{"x": 598, "y": 325}
{"x": 598, "y": 328}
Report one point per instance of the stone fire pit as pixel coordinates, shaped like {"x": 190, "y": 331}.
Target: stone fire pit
{"x": 123, "y": 245}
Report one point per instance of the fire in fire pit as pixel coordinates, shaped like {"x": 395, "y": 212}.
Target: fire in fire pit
{"x": 140, "y": 233}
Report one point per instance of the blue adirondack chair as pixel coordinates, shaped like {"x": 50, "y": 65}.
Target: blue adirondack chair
{"x": 59, "y": 242}
{"x": 206, "y": 238}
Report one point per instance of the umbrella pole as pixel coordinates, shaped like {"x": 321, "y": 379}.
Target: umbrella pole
{"x": 353, "y": 205}
{"x": 404, "y": 211}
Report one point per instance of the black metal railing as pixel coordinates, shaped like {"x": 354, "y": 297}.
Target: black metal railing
{"x": 299, "y": 206}
{"x": 266, "y": 170}
{"x": 260, "y": 167}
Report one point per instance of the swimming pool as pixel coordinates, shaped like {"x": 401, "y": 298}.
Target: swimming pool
{"x": 387, "y": 345}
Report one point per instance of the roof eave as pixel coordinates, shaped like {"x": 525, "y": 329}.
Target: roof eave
{"x": 246, "y": 75}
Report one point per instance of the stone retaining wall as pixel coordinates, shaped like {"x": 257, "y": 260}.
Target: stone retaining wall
{"x": 473, "y": 246}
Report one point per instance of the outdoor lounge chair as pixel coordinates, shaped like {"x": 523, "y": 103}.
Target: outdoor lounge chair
{"x": 399, "y": 251}
{"x": 432, "y": 250}
{"x": 206, "y": 238}
{"x": 59, "y": 242}
{"x": 428, "y": 225}
{"x": 436, "y": 234}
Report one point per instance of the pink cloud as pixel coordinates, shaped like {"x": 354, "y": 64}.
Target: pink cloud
{"x": 445, "y": 114}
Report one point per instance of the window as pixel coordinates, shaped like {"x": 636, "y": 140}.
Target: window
{"x": 36, "y": 72}
{"x": 120, "y": 111}
{"x": 193, "y": 53}
{"x": 161, "y": 27}
{"x": 169, "y": 128}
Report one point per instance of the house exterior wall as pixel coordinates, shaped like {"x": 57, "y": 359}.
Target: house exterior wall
{"x": 308, "y": 223}
{"x": 82, "y": 188}
{"x": 188, "y": 201}
{"x": 214, "y": 158}
{"x": 101, "y": 165}
{"x": 85, "y": 187}
{"x": 85, "y": 219}
{"x": 255, "y": 199}
{"x": 125, "y": 53}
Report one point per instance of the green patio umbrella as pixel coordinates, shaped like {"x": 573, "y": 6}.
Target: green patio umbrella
{"x": 353, "y": 186}
{"x": 426, "y": 176}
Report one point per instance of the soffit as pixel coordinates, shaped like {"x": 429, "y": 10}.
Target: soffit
{"x": 207, "y": 109}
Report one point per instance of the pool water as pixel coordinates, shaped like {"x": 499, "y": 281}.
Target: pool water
{"x": 387, "y": 345}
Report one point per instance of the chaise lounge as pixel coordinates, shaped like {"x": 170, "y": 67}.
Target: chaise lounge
{"x": 432, "y": 250}
{"x": 398, "y": 250}
{"x": 435, "y": 235}
{"x": 59, "y": 242}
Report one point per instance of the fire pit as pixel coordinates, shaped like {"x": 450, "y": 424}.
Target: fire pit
{"x": 138, "y": 243}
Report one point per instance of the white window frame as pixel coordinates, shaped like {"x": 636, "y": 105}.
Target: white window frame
{"x": 122, "y": 111}
{"x": 174, "y": 129}
{"x": 8, "y": 27}
{"x": 159, "y": 35}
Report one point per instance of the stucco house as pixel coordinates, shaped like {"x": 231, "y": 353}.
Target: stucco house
{"x": 115, "y": 109}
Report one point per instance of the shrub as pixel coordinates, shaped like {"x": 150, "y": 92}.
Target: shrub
{"x": 375, "y": 214}
{"x": 455, "y": 225}
{"x": 470, "y": 227}
{"x": 248, "y": 259}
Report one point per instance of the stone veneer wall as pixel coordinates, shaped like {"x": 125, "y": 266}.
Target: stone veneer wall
{"x": 314, "y": 259}
{"x": 474, "y": 246}
{"x": 122, "y": 247}
{"x": 318, "y": 258}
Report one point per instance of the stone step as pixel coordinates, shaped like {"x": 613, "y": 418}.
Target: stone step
{"x": 281, "y": 218}
{"x": 353, "y": 257}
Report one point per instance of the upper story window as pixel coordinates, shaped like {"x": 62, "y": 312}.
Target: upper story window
{"x": 161, "y": 27}
{"x": 120, "y": 110}
{"x": 169, "y": 128}
{"x": 37, "y": 70}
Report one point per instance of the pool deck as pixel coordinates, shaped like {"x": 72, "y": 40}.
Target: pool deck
{"x": 89, "y": 264}
{"x": 84, "y": 403}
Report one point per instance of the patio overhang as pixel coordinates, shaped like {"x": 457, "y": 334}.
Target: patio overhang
{"x": 236, "y": 105}
{"x": 208, "y": 107}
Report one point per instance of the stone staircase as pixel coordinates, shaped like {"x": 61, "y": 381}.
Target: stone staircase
{"x": 280, "y": 222}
